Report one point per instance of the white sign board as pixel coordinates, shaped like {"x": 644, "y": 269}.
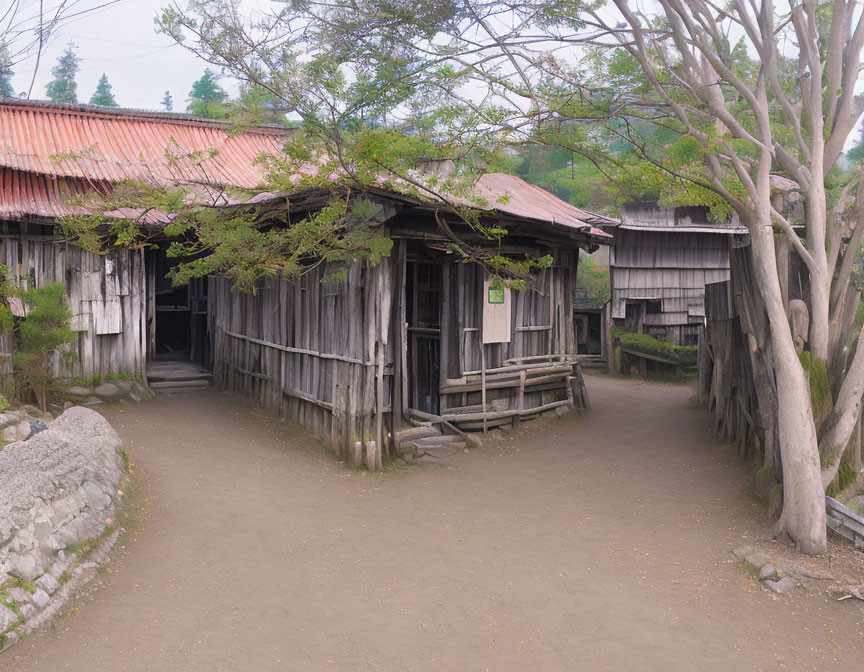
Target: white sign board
{"x": 496, "y": 312}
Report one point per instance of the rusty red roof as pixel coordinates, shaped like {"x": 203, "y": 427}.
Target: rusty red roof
{"x": 79, "y": 141}
{"x": 23, "y": 194}
{"x": 514, "y": 196}
{"x": 50, "y": 152}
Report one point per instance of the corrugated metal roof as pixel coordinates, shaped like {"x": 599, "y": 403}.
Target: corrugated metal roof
{"x": 514, "y": 196}
{"x": 96, "y": 144}
{"x": 50, "y": 152}
{"x": 23, "y": 194}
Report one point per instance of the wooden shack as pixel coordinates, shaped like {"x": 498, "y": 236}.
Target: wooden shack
{"x": 659, "y": 266}
{"x": 51, "y": 152}
{"x": 420, "y": 337}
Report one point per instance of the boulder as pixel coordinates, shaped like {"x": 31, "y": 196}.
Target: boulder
{"x": 23, "y": 430}
{"x": 37, "y": 425}
{"x": 7, "y": 617}
{"x": 47, "y": 583}
{"x": 125, "y": 387}
{"x": 782, "y": 587}
{"x": 78, "y": 392}
{"x": 19, "y": 595}
{"x": 58, "y": 487}
{"x": 107, "y": 391}
{"x": 41, "y": 598}
{"x": 754, "y": 562}
{"x": 768, "y": 571}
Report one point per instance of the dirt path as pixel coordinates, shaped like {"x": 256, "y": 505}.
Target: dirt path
{"x": 584, "y": 544}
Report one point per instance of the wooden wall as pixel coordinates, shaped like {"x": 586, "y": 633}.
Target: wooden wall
{"x": 314, "y": 352}
{"x": 331, "y": 356}
{"x": 667, "y": 266}
{"x": 106, "y": 295}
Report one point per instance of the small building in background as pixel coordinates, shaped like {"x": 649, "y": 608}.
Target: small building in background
{"x": 659, "y": 266}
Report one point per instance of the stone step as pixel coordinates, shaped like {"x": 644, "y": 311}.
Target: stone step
{"x": 179, "y": 386}
{"x": 447, "y": 450}
{"x": 170, "y": 373}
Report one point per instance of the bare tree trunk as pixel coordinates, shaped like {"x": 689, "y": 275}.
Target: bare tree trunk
{"x": 803, "y": 516}
{"x": 842, "y": 423}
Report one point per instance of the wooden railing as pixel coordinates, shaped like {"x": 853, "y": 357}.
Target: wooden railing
{"x": 845, "y": 522}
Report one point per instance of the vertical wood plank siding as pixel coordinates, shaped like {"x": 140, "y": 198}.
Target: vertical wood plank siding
{"x": 310, "y": 350}
{"x": 323, "y": 354}
{"x": 106, "y": 295}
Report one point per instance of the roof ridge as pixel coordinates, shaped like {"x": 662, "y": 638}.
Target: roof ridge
{"x": 180, "y": 118}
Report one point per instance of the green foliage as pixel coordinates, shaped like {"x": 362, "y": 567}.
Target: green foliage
{"x": 682, "y": 355}
{"x": 207, "y": 98}
{"x": 6, "y": 291}
{"x": 820, "y": 387}
{"x": 4, "y": 403}
{"x": 43, "y": 332}
{"x": 103, "y": 96}
{"x": 167, "y": 102}
{"x": 6, "y": 72}
{"x": 568, "y": 175}
{"x": 594, "y": 280}
{"x": 63, "y": 88}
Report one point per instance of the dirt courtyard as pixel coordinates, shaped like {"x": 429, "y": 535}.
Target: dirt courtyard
{"x": 594, "y": 543}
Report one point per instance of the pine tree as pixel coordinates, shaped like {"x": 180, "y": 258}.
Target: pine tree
{"x": 168, "y": 102}
{"x": 63, "y": 88}
{"x": 207, "y": 98}
{"x": 102, "y": 95}
{"x": 6, "y": 90}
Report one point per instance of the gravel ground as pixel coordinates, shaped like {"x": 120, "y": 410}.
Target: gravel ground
{"x": 594, "y": 543}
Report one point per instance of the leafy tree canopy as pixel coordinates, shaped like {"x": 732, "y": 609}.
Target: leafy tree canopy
{"x": 6, "y": 72}
{"x": 63, "y": 88}
{"x": 103, "y": 96}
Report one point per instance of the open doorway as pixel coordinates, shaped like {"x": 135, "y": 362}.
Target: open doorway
{"x": 423, "y": 289}
{"x": 179, "y": 329}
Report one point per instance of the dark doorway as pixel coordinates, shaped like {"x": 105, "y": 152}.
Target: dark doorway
{"x": 634, "y": 316}
{"x": 180, "y": 330}
{"x": 423, "y": 297}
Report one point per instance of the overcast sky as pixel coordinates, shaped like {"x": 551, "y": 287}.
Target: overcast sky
{"x": 121, "y": 42}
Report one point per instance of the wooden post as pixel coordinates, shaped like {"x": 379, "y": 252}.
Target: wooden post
{"x": 483, "y": 381}
{"x": 399, "y": 344}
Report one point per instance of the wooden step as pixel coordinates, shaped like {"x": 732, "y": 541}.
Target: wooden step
{"x": 179, "y": 386}
{"x": 440, "y": 452}
{"x": 439, "y": 440}
{"x": 416, "y": 433}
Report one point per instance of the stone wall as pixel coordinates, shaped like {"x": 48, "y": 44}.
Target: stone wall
{"x": 59, "y": 492}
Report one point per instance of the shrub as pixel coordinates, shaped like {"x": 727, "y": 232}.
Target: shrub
{"x": 682, "y": 355}
{"x": 44, "y": 331}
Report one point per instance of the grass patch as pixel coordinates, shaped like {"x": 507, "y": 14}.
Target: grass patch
{"x": 81, "y": 547}
{"x": 682, "y": 355}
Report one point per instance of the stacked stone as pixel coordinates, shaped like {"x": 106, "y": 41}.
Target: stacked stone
{"x": 20, "y": 424}
{"x": 93, "y": 396}
{"x": 59, "y": 491}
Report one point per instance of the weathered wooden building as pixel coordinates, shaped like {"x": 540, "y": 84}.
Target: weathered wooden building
{"x": 419, "y": 336}
{"x": 659, "y": 266}
{"x": 51, "y": 152}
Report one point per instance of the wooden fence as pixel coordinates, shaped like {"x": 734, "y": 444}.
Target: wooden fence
{"x": 845, "y": 522}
